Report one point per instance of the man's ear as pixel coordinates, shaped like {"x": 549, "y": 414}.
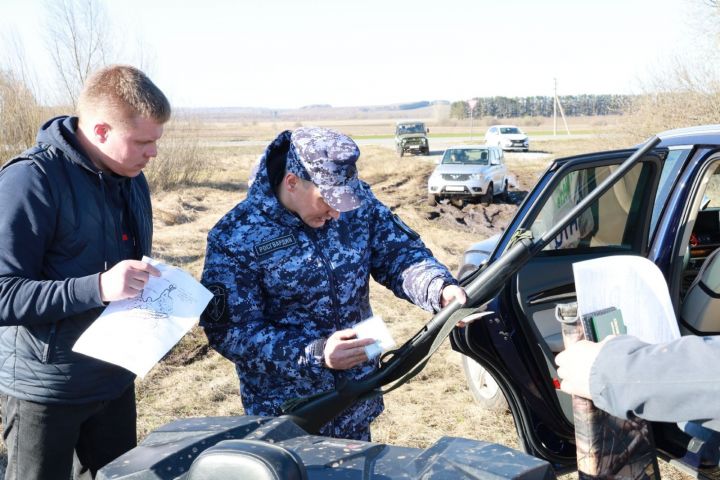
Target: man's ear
{"x": 291, "y": 181}
{"x": 101, "y": 132}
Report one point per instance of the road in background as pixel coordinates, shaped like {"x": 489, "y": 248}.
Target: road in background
{"x": 438, "y": 143}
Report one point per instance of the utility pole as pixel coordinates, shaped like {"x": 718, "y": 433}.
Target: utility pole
{"x": 556, "y": 102}
{"x": 554, "y": 109}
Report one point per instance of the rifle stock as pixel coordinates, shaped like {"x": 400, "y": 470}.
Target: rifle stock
{"x": 311, "y": 413}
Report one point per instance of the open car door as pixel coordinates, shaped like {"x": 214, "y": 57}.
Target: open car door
{"x": 518, "y": 342}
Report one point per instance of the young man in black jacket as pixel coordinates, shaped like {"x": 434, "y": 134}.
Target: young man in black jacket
{"x": 76, "y": 220}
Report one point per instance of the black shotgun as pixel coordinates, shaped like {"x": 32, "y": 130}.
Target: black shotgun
{"x": 399, "y": 365}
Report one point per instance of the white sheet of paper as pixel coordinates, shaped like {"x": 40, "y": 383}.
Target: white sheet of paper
{"x": 375, "y": 328}
{"x": 136, "y": 333}
{"x": 633, "y": 284}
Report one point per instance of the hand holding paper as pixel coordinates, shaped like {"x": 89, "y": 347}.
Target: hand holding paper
{"x": 136, "y": 332}
{"x": 375, "y": 328}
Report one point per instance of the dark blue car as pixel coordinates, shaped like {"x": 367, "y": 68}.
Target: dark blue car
{"x": 665, "y": 208}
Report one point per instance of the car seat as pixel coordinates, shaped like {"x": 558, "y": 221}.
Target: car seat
{"x": 701, "y": 308}
{"x": 244, "y": 459}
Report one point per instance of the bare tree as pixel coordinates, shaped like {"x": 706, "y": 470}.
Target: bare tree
{"x": 78, "y": 40}
{"x": 20, "y": 113}
{"x": 685, "y": 90}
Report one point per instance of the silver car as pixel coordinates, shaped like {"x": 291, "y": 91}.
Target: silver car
{"x": 469, "y": 171}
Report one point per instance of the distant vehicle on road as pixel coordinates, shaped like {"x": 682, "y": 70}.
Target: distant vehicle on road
{"x": 469, "y": 171}
{"x": 507, "y": 137}
{"x": 411, "y": 136}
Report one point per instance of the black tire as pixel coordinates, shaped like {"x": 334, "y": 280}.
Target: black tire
{"x": 483, "y": 386}
{"x": 489, "y": 195}
{"x": 432, "y": 200}
{"x": 402, "y": 152}
{"x": 427, "y": 150}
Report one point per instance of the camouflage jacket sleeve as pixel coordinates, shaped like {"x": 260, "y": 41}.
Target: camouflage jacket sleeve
{"x": 236, "y": 327}
{"x": 401, "y": 262}
{"x": 669, "y": 382}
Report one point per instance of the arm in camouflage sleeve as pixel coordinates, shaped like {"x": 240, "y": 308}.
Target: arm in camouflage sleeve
{"x": 235, "y": 325}
{"x": 401, "y": 262}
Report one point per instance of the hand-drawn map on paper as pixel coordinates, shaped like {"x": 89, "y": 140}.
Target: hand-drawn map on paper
{"x": 135, "y": 333}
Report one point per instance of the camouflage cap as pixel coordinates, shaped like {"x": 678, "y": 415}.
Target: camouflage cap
{"x": 327, "y": 158}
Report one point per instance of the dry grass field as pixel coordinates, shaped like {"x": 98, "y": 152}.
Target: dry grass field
{"x": 195, "y": 381}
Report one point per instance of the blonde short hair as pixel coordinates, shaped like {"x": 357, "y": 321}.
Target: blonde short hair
{"x": 123, "y": 90}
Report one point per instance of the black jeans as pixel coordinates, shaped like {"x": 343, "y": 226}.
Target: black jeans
{"x": 42, "y": 439}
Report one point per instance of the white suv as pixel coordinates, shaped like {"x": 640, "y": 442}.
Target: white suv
{"x": 469, "y": 171}
{"x": 507, "y": 137}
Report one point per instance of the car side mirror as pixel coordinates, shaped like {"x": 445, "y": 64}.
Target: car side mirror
{"x": 495, "y": 161}
{"x": 427, "y": 130}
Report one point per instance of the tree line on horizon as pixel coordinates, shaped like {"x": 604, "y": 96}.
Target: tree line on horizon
{"x": 542, "y": 106}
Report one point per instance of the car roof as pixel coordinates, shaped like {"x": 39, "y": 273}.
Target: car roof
{"x": 697, "y": 135}
{"x": 469, "y": 147}
{"x": 402, "y": 122}
{"x": 504, "y": 125}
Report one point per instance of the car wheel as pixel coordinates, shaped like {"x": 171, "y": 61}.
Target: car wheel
{"x": 483, "y": 386}
{"x": 488, "y": 197}
{"x": 427, "y": 150}
{"x": 402, "y": 152}
{"x": 432, "y": 200}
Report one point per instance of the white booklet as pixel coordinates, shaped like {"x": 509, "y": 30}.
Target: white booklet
{"x": 375, "y": 328}
{"x": 635, "y": 286}
{"x": 137, "y": 332}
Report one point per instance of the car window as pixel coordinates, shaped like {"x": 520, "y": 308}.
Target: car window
{"x": 670, "y": 169}
{"x": 477, "y": 156}
{"x": 509, "y": 130}
{"x": 411, "y": 128}
{"x": 610, "y": 222}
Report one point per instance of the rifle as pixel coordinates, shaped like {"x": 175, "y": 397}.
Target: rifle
{"x": 403, "y": 363}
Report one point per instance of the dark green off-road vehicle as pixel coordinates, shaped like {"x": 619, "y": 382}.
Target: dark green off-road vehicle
{"x": 411, "y": 136}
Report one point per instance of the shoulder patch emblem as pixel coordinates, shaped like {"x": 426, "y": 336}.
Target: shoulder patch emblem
{"x": 401, "y": 225}
{"x": 274, "y": 244}
{"x": 216, "y": 311}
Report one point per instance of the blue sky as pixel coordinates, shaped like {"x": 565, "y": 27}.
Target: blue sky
{"x": 286, "y": 54}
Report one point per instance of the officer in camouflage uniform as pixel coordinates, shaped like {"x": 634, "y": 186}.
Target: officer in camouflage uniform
{"x": 290, "y": 276}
